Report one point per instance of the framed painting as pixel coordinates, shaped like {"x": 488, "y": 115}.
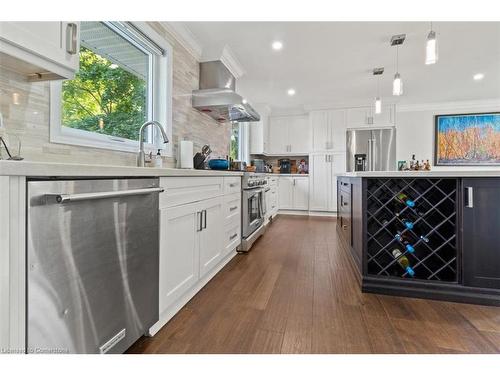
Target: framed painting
{"x": 467, "y": 139}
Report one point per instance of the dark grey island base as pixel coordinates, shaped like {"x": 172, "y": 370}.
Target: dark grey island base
{"x": 424, "y": 234}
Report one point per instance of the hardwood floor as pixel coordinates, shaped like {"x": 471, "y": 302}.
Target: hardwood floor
{"x": 296, "y": 292}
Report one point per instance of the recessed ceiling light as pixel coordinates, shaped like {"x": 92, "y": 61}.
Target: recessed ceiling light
{"x": 277, "y": 45}
{"x": 291, "y": 92}
{"x": 478, "y": 76}
{"x": 244, "y": 101}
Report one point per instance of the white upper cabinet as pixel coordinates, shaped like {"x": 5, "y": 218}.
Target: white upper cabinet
{"x": 289, "y": 135}
{"x": 299, "y": 138}
{"x": 278, "y": 135}
{"x": 365, "y": 116}
{"x": 48, "y": 50}
{"x": 328, "y": 130}
{"x": 259, "y": 131}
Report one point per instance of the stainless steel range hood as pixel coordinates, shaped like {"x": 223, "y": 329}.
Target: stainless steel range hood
{"x": 217, "y": 97}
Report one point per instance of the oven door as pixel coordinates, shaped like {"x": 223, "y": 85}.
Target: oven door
{"x": 253, "y": 212}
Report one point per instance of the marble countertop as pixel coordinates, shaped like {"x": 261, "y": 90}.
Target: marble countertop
{"x": 42, "y": 169}
{"x": 433, "y": 173}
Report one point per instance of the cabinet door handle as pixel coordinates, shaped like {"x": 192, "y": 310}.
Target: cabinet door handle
{"x": 232, "y": 185}
{"x": 233, "y": 208}
{"x": 470, "y": 197}
{"x": 233, "y": 236}
{"x": 198, "y": 219}
{"x": 71, "y": 41}
{"x": 204, "y": 212}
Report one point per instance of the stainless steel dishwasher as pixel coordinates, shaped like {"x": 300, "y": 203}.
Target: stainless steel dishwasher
{"x": 92, "y": 264}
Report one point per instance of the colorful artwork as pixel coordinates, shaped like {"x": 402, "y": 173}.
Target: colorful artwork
{"x": 472, "y": 139}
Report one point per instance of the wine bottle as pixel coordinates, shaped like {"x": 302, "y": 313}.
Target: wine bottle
{"x": 424, "y": 238}
{"x": 403, "y": 261}
{"x": 404, "y": 199}
{"x": 401, "y": 238}
{"x": 407, "y": 223}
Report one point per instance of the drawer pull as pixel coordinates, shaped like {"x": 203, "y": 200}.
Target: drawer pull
{"x": 233, "y": 236}
{"x": 233, "y": 184}
{"x": 233, "y": 208}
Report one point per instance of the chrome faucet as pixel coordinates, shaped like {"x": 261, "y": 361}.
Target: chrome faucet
{"x": 141, "y": 156}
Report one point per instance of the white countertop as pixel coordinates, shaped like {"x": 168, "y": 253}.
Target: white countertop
{"x": 291, "y": 174}
{"x": 432, "y": 173}
{"x": 42, "y": 169}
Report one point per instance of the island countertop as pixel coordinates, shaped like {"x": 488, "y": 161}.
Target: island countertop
{"x": 432, "y": 173}
{"x": 47, "y": 169}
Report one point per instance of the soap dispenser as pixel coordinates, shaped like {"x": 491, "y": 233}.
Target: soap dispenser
{"x": 158, "y": 163}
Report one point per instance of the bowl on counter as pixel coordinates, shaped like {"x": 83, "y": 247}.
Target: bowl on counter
{"x": 218, "y": 164}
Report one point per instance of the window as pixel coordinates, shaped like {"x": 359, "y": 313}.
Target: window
{"x": 124, "y": 80}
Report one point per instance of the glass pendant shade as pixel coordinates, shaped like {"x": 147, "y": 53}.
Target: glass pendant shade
{"x": 397, "y": 85}
{"x": 431, "y": 51}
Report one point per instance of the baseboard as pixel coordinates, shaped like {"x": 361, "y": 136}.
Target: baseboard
{"x": 168, "y": 314}
{"x": 307, "y": 213}
{"x": 323, "y": 213}
{"x": 293, "y": 212}
{"x": 438, "y": 291}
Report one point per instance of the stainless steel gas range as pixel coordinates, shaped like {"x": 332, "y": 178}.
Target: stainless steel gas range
{"x": 253, "y": 208}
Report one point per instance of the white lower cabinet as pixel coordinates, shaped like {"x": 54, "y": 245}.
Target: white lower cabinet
{"x": 323, "y": 183}
{"x": 179, "y": 252}
{"x": 293, "y": 193}
{"x": 211, "y": 234}
{"x": 200, "y": 229}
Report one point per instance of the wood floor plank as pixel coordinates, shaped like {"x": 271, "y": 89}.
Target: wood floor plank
{"x": 266, "y": 342}
{"x": 296, "y": 292}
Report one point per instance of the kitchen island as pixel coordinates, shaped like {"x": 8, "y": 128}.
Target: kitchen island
{"x": 424, "y": 234}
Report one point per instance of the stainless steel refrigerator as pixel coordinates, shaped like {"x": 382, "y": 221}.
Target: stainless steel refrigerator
{"x": 371, "y": 149}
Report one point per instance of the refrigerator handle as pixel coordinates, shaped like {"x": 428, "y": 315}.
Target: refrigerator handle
{"x": 370, "y": 154}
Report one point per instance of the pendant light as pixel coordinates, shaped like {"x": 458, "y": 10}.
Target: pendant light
{"x": 431, "y": 50}
{"x": 378, "y": 102}
{"x": 397, "y": 83}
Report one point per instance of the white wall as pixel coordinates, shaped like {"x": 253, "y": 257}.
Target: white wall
{"x": 415, "y": 127}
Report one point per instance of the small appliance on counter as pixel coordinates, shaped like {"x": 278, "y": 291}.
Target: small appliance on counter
{"x": 238, "y": 165}
{"x": 201, "y": 157}
{"x": 260, "y": 165}
{"x": 285, "y": 166}
{"x": 360, "y": 162}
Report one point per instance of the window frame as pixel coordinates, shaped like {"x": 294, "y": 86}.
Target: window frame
{"x": 160, "y": 94}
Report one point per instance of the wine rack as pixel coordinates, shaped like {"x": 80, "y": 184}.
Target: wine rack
{"x": 432, "y": 233}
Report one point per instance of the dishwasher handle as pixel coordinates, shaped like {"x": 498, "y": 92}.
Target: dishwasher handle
{"x": 66, "y": 198}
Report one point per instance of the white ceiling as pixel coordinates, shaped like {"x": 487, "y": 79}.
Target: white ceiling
{"x": 329, "y": 63}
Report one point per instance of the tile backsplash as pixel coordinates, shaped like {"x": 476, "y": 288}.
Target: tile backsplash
{"x": 24, "y": 107}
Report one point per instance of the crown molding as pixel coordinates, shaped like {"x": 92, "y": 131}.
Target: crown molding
{"x": 184, "y": 37}
{"x": 467, "y": 105}
{"x": 231, "y": 62}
